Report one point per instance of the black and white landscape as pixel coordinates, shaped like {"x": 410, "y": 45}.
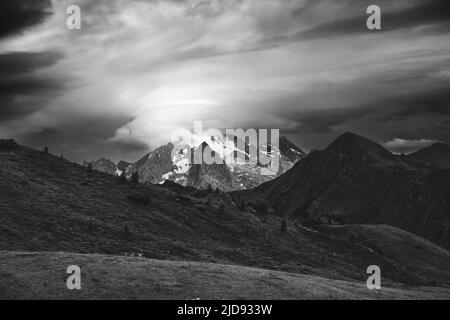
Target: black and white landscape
{"x": 89, "y": 176}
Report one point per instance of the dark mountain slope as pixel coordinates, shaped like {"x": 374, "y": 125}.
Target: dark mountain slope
{"x": 355, "y": 180}
{"x": 49, "y": 204}
{"x": 436, "y": 155}
{"x": 414, "y": 253}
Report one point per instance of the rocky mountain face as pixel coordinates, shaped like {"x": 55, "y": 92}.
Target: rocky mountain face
{"x": 123, "y": 166}
{"x": 436, "y": 155}
{"x": 158, "y": 166}
{"x": 290, "y": 151}
{"x": 355, "y": 180}
{"x": 103, "y": 165}
{"x": 214, "y": 176}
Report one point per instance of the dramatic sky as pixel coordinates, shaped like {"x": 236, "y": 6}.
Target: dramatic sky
{"x": 137, "y": 70}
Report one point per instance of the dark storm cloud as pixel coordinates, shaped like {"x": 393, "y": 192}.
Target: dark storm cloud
{"x": 424, "y": 103}
{"x": 26, "y": 62}
{"x": 435, "y": 14}
{"x": 82, "y": 138}
{"x": 17, "y": 15}
{"x": 427, "y": 12}
{"x": 324, "y": 121}
{"x": 144, "y": 68}
{"x": 81, "y": 130}
{"x": 28, "y": 85}
{"x": 20, "y": 78}
{"x": 130, "y": 145}
{"x": 408, "y": 105}
{"x": 434, "y": 102}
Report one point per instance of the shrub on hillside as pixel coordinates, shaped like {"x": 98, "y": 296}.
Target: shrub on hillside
{"x": 126, "y": 232}
{"x": 139, "y": 198}
{"x": 242, "y": 205}
{"x": 8, "y": 144}
{"x": 283, "y": 227}
{"x": 182, "y": 197}
{"x": 262, "y": 209}
{"x": 135, "y": 177}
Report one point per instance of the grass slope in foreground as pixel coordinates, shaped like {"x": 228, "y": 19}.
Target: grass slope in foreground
{"x": 41, "y": 275}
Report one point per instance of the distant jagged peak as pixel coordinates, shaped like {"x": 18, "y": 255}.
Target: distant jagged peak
{"x": 100, "y": 160}
{"x": 104, "y": 160}
{"x": 103, "y": 164}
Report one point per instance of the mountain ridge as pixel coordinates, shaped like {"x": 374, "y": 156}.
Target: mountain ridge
{"x": 157, "y": 167}
{"x": 355, "y": 180}
{"x": 437, "y": 155}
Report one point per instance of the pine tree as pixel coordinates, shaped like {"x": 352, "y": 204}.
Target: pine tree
{"x": 283, "y": 227}
{"x": 135, "y": 177}
{"x": 126, "y": 232}
{"x": 263, "y": 209}
{"x": 242, "y": 205}
{"x": 90, "y": 225}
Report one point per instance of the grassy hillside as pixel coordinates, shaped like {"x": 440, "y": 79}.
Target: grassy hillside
{"x": 50, "y": 204}
{"x": 42, "y": 276}
{"x": 414, "y": 254}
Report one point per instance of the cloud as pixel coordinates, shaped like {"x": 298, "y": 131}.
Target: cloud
{"x": 13, "y": 63}
{"x": 79, "y": 137}
{"x": 433, "y": 16}
{"x": 22, "y": 87}
{"x": 18, "y": 15}
{"x": 128, "y": 144}
{"x": 398, "y": 145}
{"x": 380, "y": 105}
{"x": 137, "y": 70}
